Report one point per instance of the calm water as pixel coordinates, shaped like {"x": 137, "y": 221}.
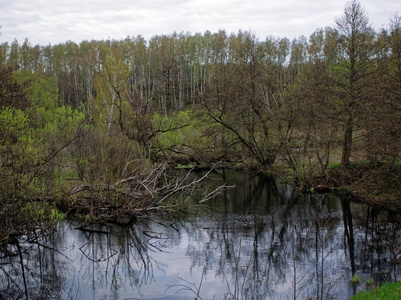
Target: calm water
{"x": 259, "y": 240}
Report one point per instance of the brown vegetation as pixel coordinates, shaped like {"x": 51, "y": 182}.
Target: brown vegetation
{"x": 93, "y": 125}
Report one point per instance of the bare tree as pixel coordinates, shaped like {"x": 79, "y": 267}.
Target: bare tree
{"x": 352, "y": 70}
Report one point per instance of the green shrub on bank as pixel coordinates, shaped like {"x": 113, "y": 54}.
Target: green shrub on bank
{"x": 386, "y": 291}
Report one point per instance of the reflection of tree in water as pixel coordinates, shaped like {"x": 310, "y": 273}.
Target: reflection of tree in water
{"x": 378, "y": 249}
{"x": 30, "y": 269}
{"x": 251, "y": 248}
{"x": 288, "y": 244}
{"x": 260, "y": 240}
{"x": 122, "y": 262}
{"x": 96, "y": 262}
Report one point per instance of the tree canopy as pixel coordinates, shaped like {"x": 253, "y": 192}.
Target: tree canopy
{"x": 102, "y": 110}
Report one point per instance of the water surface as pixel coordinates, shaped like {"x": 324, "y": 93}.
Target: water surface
{"x": 258, "y": 240}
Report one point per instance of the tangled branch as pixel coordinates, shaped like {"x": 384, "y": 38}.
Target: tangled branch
{"x": 144, "y": 190}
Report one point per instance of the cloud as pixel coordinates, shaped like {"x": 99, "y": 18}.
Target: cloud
{"x": 46, "y": 21}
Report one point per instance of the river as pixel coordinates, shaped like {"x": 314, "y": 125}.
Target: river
{"x": 256, "y": 240}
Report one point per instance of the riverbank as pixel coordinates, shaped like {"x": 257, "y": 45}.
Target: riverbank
{"x": 378, "y": 186}
{"x": 386, "y": 291}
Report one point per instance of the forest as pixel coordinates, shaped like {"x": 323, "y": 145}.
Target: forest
{"x": 99, "y": 129}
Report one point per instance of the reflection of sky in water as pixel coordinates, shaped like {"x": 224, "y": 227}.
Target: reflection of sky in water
{"x": 256, "y": 235}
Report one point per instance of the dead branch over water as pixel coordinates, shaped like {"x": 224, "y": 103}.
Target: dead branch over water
{"x": 143, "y": 191}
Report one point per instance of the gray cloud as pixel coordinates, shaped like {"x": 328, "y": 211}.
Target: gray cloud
{"x": 46, "y": 21}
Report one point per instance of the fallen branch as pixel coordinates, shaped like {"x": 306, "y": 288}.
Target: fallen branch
{"x": 144, "y": 190}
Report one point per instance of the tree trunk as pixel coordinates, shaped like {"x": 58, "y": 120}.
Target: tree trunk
{"x": 347, "y": 143}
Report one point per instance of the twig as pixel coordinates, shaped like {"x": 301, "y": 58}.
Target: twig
{"x": 100, "y": 259}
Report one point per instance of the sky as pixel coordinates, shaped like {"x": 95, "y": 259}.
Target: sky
{"x": 46, "y": 22}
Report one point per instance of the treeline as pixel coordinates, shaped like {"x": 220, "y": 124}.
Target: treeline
{"x": 169, "y": 72}
{"x": 275, "y": 105}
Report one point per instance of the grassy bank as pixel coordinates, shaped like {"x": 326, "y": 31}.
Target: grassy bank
{"x": 388, "y": 291}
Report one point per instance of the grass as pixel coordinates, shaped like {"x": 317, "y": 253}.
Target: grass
{"x": 333, "y": 166}
{"x": 386, "y": 291}
{"x": 355, "y": 279}
{"x": 353, "y": 165}
{"x": 189, "y": 166}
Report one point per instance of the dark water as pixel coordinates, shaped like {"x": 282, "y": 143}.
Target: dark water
{"x": 259, "y": 240}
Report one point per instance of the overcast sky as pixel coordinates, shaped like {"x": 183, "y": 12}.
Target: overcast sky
{"x": 57, "y": 21}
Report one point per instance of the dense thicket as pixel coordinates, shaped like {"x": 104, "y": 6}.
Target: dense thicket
{"x": 114, "y": 106}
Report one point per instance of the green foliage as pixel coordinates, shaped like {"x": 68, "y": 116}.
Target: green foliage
{"x": 27, "y": 146}
{"x": 388, "y": 291}
{"x": 11, "y": 92}
{"x": 190, "y": 135}
{"x": 53, "y": 121}
{"x": 334, "y": 166}
{"x": 189, "y": 166}
{"x": 56, "y": 215}
{"x": 172, "y": 129}
{"x": 271, "y": 104}
{"x": 102, "y": 158}
{"x": 355, "y": 279}
{"x": 31, "y": 151}
{"x": 62, "y": 125}
{"x": 21, "y": 156}
{"x": 41, "y": 89}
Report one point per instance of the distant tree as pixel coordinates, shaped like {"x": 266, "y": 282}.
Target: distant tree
{"x": 14, "y": 56}
{"x": 11, "y": 92}
{"x": 307, "y": 149}
{"x": 246, "y": 95}
{"x": 4, "y": 49}
{"x": 382, "y": 119}
{"x": 351, "y": 73}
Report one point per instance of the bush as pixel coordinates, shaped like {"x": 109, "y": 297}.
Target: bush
{"x": 386, "y": 291}
{"x": 31, "y": 141}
